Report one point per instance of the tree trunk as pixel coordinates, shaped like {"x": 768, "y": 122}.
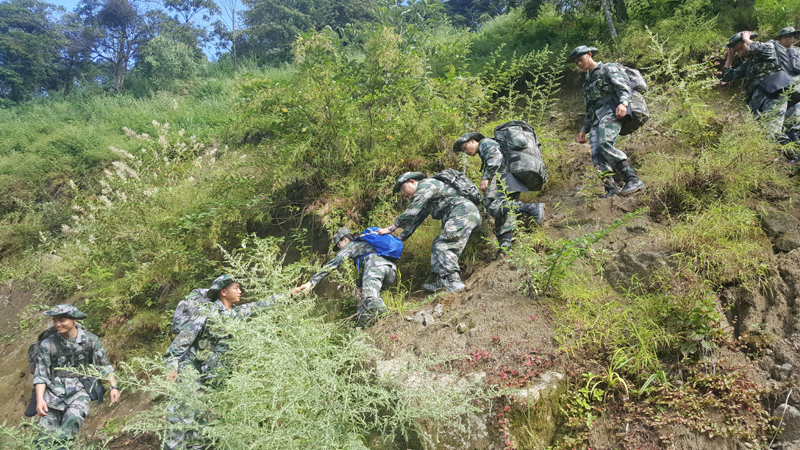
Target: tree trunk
{"x": 233, "y": 36}
{"x": 609, "y": 19}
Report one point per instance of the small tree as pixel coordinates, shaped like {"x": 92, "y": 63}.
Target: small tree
{"x": 165, "y": 60}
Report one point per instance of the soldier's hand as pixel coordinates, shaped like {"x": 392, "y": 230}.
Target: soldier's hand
{"x": 41, "y": 408}
{"x": 300, "y": 288}
{"x": 484, "y": 185}
{"x": 581, "y": 137}
{"x": 114, "y": 396}
{"x": 746, "y": 36}
{"x": 621, "y": 111}
{"x": 172, "y": 375}
{"x": 384, "y": 231}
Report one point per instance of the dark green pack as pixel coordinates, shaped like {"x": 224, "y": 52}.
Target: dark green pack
{"x": 520, "y": 148}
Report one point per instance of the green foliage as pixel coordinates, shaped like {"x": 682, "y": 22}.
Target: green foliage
{"x": 166, "y": 61}
{"x": 724, "y": 243}
{"x": 546, "y": 270}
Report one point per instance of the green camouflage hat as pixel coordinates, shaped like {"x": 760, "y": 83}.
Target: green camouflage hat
{"x": 66, "y": 311}
{"x": 219, "y": 284}
{"x": 737, "y": 38}
{"x": 405, "y": 177}
{"x": 787, "y": 31}
{"x": 340, "y": 233}
{"x": 466, "y": 138}
{"x": 580, "y": 51}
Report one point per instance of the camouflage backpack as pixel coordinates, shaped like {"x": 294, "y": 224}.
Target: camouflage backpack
{"x": 638, "y": 113}
{"x": 462, "y": 185}
{"x": 33, "y": 350}
{"x": 520, "y": 148}
{"x": 187, "y": 307}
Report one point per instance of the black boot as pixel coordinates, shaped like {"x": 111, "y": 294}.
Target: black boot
{"x": 632, "y": 182}
{"x": 535, "y": 210}
{"x": 611, "y": 187}
{"x": 504, "y": 241}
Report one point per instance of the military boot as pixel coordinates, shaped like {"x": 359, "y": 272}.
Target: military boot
{"x": 611, "y": 188}
{"x": 454, "y": 282}
{"x": 632, "y": 182}
{"x": 535, "y": 210}
{"x": 437, "y": 285}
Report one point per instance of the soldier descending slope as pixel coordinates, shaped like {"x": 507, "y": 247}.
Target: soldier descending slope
{"x": 63, "y": 396}
{"x": 378, "y": 272}
{"x": 499, "y": 204}
{"x": 786, "y": 37}
{"x": 607, "y": 95}
{"x": 459, "y": 216}
{"x": 767, "y": 73}
{"x": 200, "y": 346}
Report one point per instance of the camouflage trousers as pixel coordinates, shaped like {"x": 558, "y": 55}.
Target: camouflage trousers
{"x": 374, "y": 280}
{"x": 776, "y": 116}
{"x": 60, "y": 427}
{"x": 185, "y": 432}
{"x": 602, "y": 137}
{"x": 457, "y": 225}
{"x": 500, "y": 205}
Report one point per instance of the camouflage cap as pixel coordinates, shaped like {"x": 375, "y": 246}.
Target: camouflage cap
{"x": 66, "y": 311}
{"x": 786, "y": 31}
{"x": 580, "y": 51}
{"x": 340, "y": 233}
{"x": 219, "y": 284}
{"x": 737, "y": 38}
{"x": 466, "y": 138}
{"x": 407, "y": 176}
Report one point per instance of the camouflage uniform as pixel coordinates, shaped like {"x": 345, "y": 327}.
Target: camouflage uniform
{"x": 601, "y": 85}
{"x": 200, "y": 346}
{"x": 458, "y": 215}
{"x": 782, "y": 123}
{"x": 65, "y": 395}
{"x": 377, "y": 273}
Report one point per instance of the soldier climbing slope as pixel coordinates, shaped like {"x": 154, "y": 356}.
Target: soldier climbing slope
{"x": 378, "y": 273}
{"x": 63, "y": 396}
{"x": 201, "y": 346}
{"x": 499, "y": 204}
{"x": 606, "y": 95}
{"x": 768, "y": 71}
{"x": 459, "y": 216}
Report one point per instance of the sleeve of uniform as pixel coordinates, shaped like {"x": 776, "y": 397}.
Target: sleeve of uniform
{"x": 99, "y": 357}
{"x": 417, "y": 211}
{"x": 41, "y": 373}
{"x": 587, "y": 121}
{"x": 252, "y": 308}
{"x": 736, "y": 73}
{"x": 180, "y": 346}
{"x": 334, "y": 264}
{"x": 491, "y": 156}
{"x": 619, "y": 81}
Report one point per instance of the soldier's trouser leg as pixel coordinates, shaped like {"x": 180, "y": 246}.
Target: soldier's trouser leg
{"x": 373, "y": 282}
{"x": 59, "y": 428}
{"x": 602, "y": 138}
{"x": 185, "y": 433}
{"x": 498, "y": 206}
{"x": 771, "y": 112}
{"x": 791, "y": 127}
{"x": 456, "y": 228}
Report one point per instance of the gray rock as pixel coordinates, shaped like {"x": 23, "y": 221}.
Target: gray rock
{"x": 646, "y": 267}
{"x": 461, "y": 328}
{"x": 788, "y": 241}
{"x": 776, "y": 223}
{"x": 790, "y": 421}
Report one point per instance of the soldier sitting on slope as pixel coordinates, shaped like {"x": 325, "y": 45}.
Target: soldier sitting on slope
{"x": 63, "y": 396}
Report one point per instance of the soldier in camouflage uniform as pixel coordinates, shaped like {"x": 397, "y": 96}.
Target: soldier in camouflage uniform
{"x": 200, "y": 346}
{"x": 378, "y": 273}
{"x": 499, "y": 204}
{"x": 786, "y": 37}
{"x": 62, "y": 400}
{"x": 459, "y": 217}
{"x": 782, "y": 123}
{"x": 606, "y": 95}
